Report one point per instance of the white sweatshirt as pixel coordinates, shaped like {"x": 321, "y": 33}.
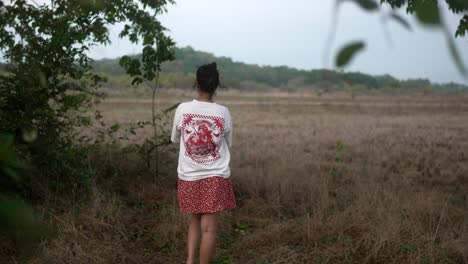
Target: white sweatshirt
{"x": 204, "y": 130}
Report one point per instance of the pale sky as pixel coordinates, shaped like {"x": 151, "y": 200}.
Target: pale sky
{"x": 294, "y": 33}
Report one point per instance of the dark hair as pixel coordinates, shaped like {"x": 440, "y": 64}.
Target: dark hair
{"x": 208, "y": 78}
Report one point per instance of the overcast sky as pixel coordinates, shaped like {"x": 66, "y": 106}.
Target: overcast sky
{"x": 294, "y": 33}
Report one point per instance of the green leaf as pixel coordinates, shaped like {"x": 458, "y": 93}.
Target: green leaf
{"x": 7, "y": 155}
{"x": 241, "y": 226}
{"x": 462, "y": 29}
{"x": 369, "y": 5}
{"x": 6, "y": 139}
{"x": 401, "y": 20}
{"x": 131, "y": 66}
{"x": 348, "y": 52}
{"x": 14, "y": 214}
{"x": 17, "y": 220}
{"x": 427, "y": 12}
{"x": 167, "y": 110}
{"x": 115, "y": 127}
{"x": 11, "y": 173}
{"x": 137, "y": 80}
{"x": 457, "y": 6}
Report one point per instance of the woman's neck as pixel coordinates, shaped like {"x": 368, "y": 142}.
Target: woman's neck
{"x": 204, "y": 100}
{"x": 205, "y": 97}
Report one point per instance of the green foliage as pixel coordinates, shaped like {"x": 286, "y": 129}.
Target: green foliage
{"x": 427, "y": 12}
{"x": 369, "y": 5}
{"x": 18, "y": 222}
{"x": 240, "y": 227}
{"x": 49, "y": 85}
{"x": 340, "y": 147}
{"x": 8, "y": 158}
{"x": 152, "y": 60}
{"x": 348, "y": 52}
{"x": 415, "y": 83}
{"x": 17, "y": 219}
{"x": 463, "y": 27}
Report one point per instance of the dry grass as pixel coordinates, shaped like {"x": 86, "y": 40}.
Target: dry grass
{"x": 318, "y": 179}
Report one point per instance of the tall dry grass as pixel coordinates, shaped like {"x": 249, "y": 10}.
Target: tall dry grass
{"x": 374, "y": 179}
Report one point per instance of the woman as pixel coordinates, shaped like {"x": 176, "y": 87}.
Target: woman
{"x": 204, "y": 130}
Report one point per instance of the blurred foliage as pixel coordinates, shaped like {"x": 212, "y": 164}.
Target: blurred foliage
{"x": 346, "y": 53}
{"x": 456, "y": 6}
{"x": 17, "y": 219}
{"x": 427, "y": 12}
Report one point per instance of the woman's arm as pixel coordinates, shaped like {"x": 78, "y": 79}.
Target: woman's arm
{"x": 228, "y": 130}
{"x": 175, "y": 135}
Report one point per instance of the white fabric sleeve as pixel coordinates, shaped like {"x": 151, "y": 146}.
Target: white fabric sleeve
{"x": 175, "y": 135}
{"x": 228, "y": 130}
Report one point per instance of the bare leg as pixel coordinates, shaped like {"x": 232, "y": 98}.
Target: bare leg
{"x": 193, "y": 238}
{"x": 209, "y": 228}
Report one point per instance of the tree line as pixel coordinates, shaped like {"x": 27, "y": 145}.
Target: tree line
{"x": 179, "y": 73}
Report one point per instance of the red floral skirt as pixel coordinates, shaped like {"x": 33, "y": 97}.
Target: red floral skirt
{"x": 207, "y": 195}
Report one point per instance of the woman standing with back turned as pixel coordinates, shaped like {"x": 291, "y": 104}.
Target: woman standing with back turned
{"x": 204, "y": 130}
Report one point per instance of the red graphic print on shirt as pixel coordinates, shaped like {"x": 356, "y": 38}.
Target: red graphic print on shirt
{"x": 202, "y": 136}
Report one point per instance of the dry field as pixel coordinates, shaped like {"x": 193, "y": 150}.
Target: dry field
{"x": 318, "y": 179}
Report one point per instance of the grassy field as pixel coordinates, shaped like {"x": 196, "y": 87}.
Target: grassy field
{"x": 318, "y": 179}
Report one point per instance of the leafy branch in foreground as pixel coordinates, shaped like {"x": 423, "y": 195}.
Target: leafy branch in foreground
{"x": 427, "y": 12}
{"x": 148, "y": 71}
{"x": 49, "y": 86}
{"x": 17, "y": 218}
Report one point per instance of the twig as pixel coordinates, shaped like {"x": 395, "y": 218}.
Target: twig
{"x": 153, "y": 104}
{"x": 388, "y": 36}
{"x": 331, "y": 35}
{"x": 440, "y": 220}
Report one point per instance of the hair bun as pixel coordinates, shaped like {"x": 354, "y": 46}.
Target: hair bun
{"x": 208, "y": 77}
{"x": 213, "y": 66}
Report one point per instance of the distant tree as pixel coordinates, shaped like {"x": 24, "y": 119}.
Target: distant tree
{"x": 179, "y": 73}
{"x": 387, "y": 81}
{"x": 354, "y": 78}
{"x": 415, "y": 83}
